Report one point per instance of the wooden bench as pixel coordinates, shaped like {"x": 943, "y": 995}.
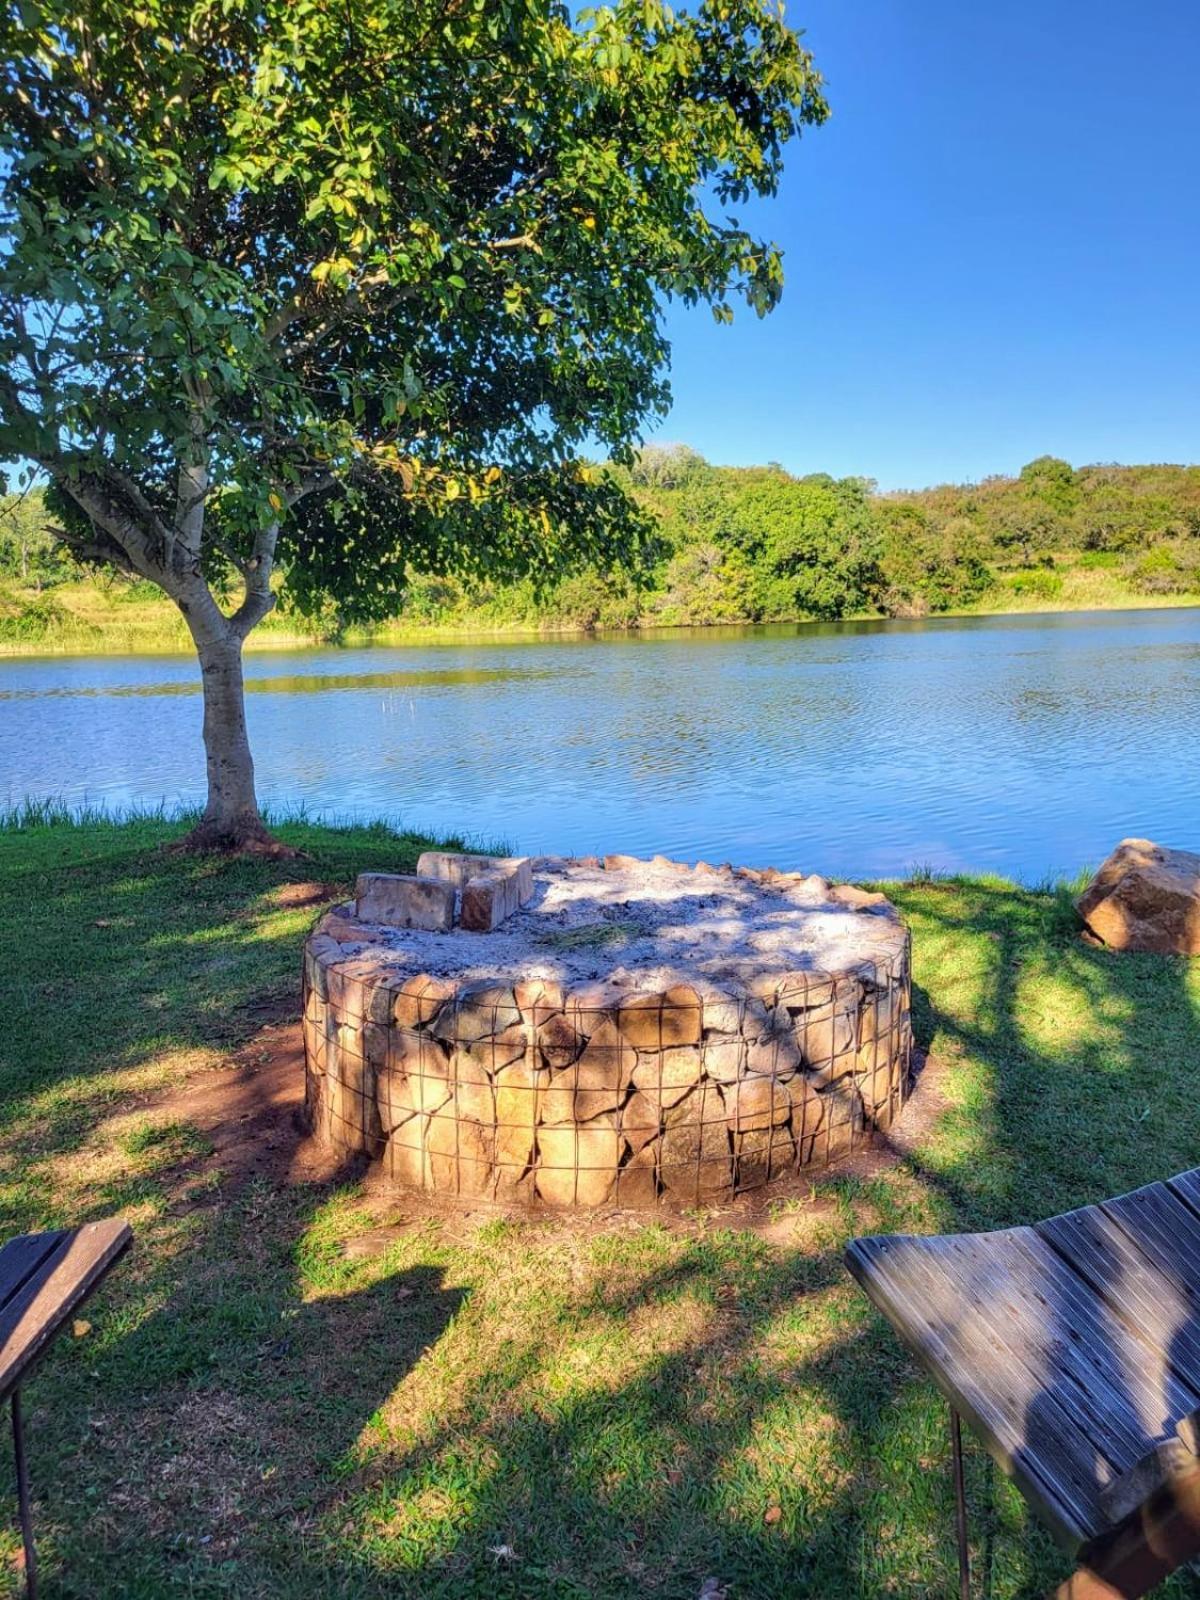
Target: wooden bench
{"x": 1073, "y": 1350}
{"x": 44, "y": 1279}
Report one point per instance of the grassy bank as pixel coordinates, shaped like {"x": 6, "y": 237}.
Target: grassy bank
{"x": 85, "y": 617}
{"x": 90, "y": 616}
{"x": 722, "y": 545}
{"x": 275, "y": 1398}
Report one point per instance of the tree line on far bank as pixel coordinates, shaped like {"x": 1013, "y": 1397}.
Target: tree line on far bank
{"x": 759, "y": 544}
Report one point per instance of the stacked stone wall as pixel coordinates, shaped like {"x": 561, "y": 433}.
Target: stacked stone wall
{"x": 596, "y": 1094}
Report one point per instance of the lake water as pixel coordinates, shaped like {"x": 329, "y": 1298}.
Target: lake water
{"x": 1022, "y": 745}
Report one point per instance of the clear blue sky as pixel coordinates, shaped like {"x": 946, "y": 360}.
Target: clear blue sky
{"x": 992, "y": 249}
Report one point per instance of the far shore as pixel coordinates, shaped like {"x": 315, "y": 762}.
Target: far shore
{"x": 158, "y": 636}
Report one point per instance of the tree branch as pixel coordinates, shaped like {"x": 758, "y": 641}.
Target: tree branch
{"x": 192, "y": 489}
{"x": 256, "y": 573}
{"x": 524, "y": 241}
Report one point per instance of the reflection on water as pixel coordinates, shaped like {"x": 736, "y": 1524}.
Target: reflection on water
{"x": 1022, "y": 745}
{"x": 292, "y": 683}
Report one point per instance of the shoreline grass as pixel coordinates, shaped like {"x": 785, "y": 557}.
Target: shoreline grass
{"x": 482, "y": 1406}
{"x": 93, "y": 620}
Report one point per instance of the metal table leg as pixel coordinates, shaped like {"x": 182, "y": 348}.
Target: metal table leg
{"x": 23, "y": 1497}
{"x": 960, "y": 1507}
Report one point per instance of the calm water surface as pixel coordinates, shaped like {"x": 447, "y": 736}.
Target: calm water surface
{"x": 1021, "y": 745}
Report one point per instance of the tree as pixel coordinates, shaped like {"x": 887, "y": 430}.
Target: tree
{"x": 810, "y": 542}
{"x": 1052, "y": 481}
{"x": 1026, "y": 523}
{"x": 29, "y": 551}
{"x": 1108, "y": 515}
{"x": 926, "y": 563}
{"x": 296, "y": 292}
{"x": 667, "y": 466}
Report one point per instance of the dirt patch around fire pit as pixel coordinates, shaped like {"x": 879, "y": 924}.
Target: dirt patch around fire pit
{"x": 248, "y": 1120}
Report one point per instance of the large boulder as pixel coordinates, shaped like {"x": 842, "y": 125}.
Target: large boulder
{"x": 1145, "y": 897}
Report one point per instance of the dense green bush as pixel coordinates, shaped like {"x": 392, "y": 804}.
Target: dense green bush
{"x": 431, "y": 599}
{"x": 34, "y": 622}
{"x": 135, "y": 591}
{"x": 1167, "y": 568}
{"x": 1098, "y": 560}
{"x": 756, "y": 543}
{"x": 927, "y": 565}
{"x": 737, "y": 544}
{"x": 591, "y": 599}
{"x": 705, "y": 584}
{"x": 1037, "y": 583}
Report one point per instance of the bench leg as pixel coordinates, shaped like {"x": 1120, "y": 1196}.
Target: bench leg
{"x": 960, "y": 1507}
{"x": 23, "y": 1496}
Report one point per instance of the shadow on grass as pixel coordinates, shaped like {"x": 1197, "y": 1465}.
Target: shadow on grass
{"x": 1080, "y": 1066}
{"x": 510, "y": 1411}
{"x": 1085, "y": 1075}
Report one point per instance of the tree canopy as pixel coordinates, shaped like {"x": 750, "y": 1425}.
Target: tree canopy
{"x": 297, "y": 293}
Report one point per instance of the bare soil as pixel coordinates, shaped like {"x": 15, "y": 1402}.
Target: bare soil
{"x": 249, "y": 1114}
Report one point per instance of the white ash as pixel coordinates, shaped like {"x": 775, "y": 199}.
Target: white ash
{"x": 650, "y": 924}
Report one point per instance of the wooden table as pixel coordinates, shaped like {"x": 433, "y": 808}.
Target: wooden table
{"x": 44, "y": 1279}
{"x": 1073, "y": 1350}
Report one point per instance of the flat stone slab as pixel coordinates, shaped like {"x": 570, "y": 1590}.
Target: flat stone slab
{"x": 633, "y": 1032}
{"x": 475, "y": 892}
{"x": 488, "y": 899}
{"x": 1145, "y": 897}
{"x": 398, "y": 900}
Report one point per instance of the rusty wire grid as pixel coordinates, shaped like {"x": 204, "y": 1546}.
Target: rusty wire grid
{"x": 528, "y": 1094}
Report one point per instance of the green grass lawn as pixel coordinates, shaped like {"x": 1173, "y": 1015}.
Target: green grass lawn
{"x": 486, "y": 1407}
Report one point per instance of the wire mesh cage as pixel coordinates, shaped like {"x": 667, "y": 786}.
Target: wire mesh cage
{"x": 537, "y": 1092}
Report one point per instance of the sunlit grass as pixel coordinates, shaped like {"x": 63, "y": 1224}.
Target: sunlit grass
{"x": 488, "y": 1406}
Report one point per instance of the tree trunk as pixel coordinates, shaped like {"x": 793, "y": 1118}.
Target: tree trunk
{"x": 231, "y": 819}
{"x": 169, "y": 554}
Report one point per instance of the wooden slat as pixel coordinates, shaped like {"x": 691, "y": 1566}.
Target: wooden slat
{"x": 980, "y": 1376}
{"x": 1156, "y": 1301}
{"x": 1092, "y": 1396}
{"x": 1124, "y": 1374}
{"x": 20, "y": 1258}
{"x": 1030, "y": 1308}
{"x": 1187, "y": 1186}
{"x": 1065, "y": 1503}
{"x": 31, "y": 1317}
{"x": 1073, "y": 1348}
{"x": 1164, "y": 1228}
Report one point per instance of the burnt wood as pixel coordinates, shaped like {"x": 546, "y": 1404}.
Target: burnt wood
{"x": 1073, "y": 1349}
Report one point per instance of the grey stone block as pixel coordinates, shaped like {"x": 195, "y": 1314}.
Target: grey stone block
{"x": 401, "y": 901}
{"x": 459, "y": 868}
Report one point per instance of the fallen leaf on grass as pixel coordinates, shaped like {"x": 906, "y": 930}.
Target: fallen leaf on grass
{"x": 80, "y": 1328}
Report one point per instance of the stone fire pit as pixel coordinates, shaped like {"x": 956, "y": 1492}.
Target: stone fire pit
{"x": 581, "y": 1031}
